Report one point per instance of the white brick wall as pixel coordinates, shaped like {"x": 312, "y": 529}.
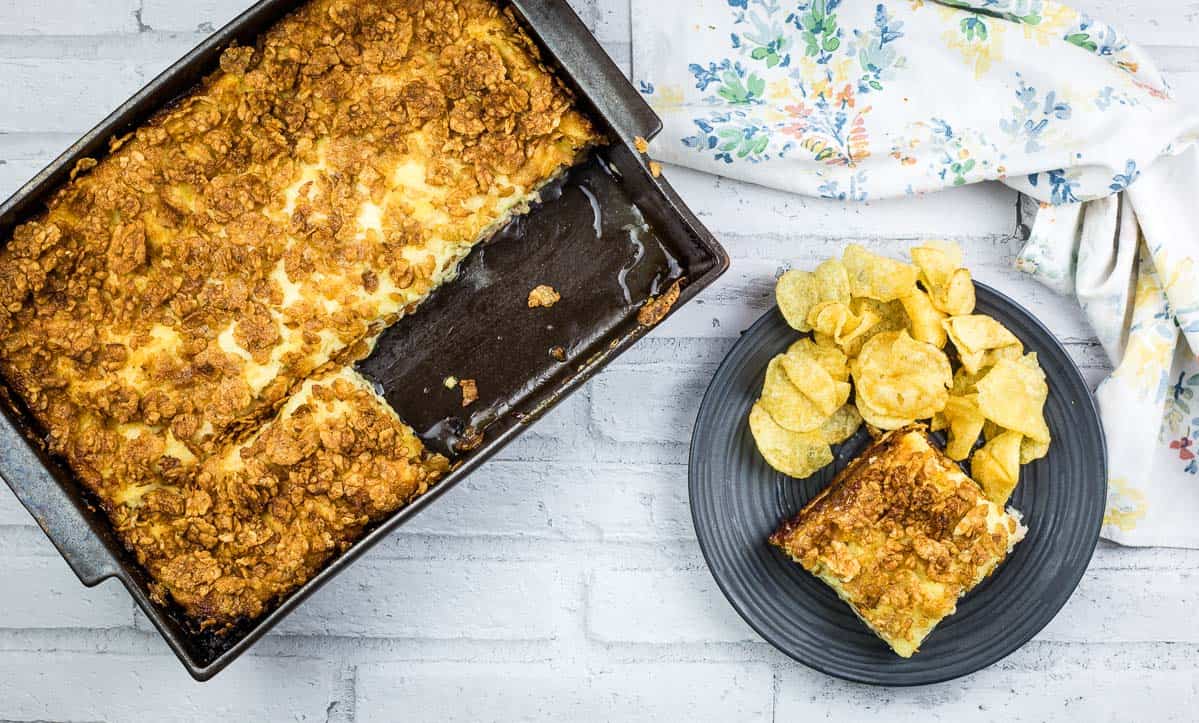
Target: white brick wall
{"x": 563, "y": 580}
{"x": 114, "y": 686}
{"x": 69, "y": 17}
{"x": 639, "y": 692}
{"x": 50, "y": 596}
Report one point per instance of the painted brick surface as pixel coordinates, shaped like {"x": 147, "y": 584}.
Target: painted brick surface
{"x": 113, "y": 687}
{"x": 69, "y": 17}
{"x": 51, "y": 596}
{"x": 434, "y": 599}
{"x": 661, "y": 606}
{"x": 466, "y": 693}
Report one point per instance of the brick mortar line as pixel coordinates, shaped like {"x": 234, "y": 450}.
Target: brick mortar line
{"x": 651, "y": 554}
{"x": 343, "y": 708}
{"x": 352, "y": 653}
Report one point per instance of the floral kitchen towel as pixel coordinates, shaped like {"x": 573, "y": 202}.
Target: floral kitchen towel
{"x": 858, "y": 100}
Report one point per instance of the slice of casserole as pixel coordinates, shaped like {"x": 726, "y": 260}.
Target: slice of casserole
{"x": 264, "y": 516}
{"x": 900, "y": 535}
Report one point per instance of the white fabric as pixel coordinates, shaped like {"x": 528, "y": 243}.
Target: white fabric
{"x": 858, "y": 100}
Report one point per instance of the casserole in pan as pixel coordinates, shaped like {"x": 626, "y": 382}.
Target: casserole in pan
{"x": 109, "y": 426}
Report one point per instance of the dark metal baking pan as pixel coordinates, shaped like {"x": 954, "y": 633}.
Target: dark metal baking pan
{"x": 608, "y": 236}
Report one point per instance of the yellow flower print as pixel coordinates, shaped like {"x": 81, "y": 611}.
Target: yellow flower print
{"x": 1055, "y": 20}
{"x": 842, "y": 71}
{"x": 1148, "y": 298}
{"x": 670, "y": 97}
{"x": 780, "y": 90}
{"x": 774, "y": 115}
{"x": 978, "y": 51}
{"x": 820, "y": 87}
{"x": 1126, "y": 505}
{"x": 1179, "y": 280}
{"x": 1145, "y": 361}
{"x": 1152, "y": 341}
{"x": 808, "y": 69}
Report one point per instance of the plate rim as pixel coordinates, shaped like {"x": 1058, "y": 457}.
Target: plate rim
{"x": 1091, "y": 541}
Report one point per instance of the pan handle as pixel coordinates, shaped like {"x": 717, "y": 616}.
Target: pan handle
{"x": 27, "y": 471}
{"x": 590, "y": 67}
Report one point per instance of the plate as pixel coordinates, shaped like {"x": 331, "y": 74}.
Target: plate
{"x": 737, "y": 500}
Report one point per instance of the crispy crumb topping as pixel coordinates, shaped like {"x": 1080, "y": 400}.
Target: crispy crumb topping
{"x": 267, "y": 226}
{"x": 266, "y": 514}
{"x": 900, "y": 534}
{"x": 543, "y": 295}
{"x": 656, "y": 309}
{"x": 470, "y": 392}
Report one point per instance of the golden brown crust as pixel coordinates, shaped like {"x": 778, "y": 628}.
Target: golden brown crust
{"x": 543, "y": 295}
{"x": 656, "y": 309}
{"x": 308, "y": 193}
{"x": 900, "y": 534}
{"x": 266, "y": 514}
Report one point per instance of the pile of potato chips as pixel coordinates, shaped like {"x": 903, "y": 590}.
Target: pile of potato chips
{"x": 903, "y": 340}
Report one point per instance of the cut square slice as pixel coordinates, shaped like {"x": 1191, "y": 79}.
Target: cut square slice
{"x": 900, "y": 535}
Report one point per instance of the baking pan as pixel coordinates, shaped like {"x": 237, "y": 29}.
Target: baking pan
{"x": 609, "y": 236}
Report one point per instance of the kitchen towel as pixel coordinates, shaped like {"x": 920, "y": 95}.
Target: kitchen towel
{"x": 857, "y": 100}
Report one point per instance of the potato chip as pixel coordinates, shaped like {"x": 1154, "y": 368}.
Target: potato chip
{"x": 877, "y": 277}
{"x": 891, "y": 314}
{"x": 844, "y": 423}
{"x": 957, "y": 298}
{"x": 964, "y": 382}
{"x": 901, "y": 378}
{"x": 978, "y": 339}
{"x": 881, "y": 420}
{"x": 997, "y": 467}
{"x": 1012, "y": 394}
{"x": 965, "y": 423}
{"x": 1032, "y": 450}
{"x": 978, "y": 363}
{"x": 973, "y": 362}
{"x": 979, "y": 333}
{"x": 824, "y": 341}
{"x": 835, "y": 320}
{"x": 832, "y": 279}
{"x": 882, "y": 317}
{"x": 784, "y": 401}
{"x": 797, "y": 292}
{"x": 830, "y": 357}
{"x": 792, "y": 453}
{"x": 925, "y": 319}
{"x": 937, "y": 260}
{"x": 879, "y": 331}
{"x": 815, "y": 383}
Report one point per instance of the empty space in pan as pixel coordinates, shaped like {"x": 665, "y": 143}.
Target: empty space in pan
{"x": 586, "y": 240}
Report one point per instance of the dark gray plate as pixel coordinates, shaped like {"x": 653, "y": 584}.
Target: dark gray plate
{"x": 737, "y": 500}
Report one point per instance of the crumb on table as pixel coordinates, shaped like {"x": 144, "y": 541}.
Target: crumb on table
{"x": 641, "y": 144}
{"x": 655, "y": 169}
{"x": 558, "y": 353}
{"x": 544, "y": 295}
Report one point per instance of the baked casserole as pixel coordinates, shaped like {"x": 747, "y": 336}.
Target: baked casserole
{"x": 181, "y": 317}
{"x": 900, "y": 535}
